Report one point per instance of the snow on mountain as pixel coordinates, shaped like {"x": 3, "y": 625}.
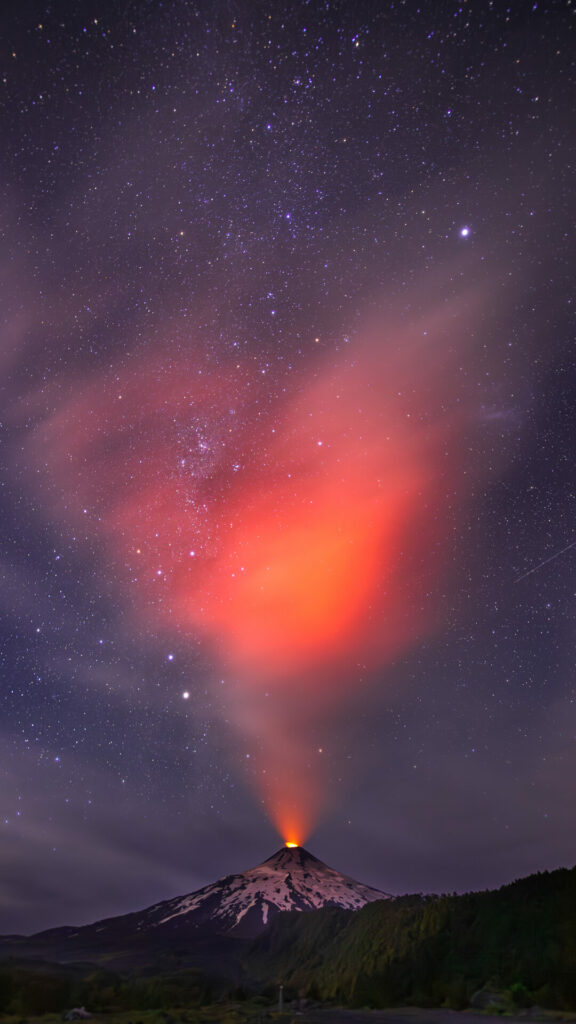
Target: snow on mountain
{"x": 291, "y": 879}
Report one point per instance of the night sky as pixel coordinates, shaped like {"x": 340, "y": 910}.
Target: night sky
{"x": 288, "y": 445}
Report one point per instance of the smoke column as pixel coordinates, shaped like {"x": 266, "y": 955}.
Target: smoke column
{"x": 299, "y": 536}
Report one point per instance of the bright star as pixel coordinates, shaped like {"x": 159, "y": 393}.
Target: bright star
{"x": 464, "y": 232}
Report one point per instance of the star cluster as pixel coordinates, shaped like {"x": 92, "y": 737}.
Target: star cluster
{"x": 285, "y": 287}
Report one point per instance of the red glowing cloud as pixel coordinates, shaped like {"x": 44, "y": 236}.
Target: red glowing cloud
{"x": 297, "y": 543}
{"x": 299, "y": 572}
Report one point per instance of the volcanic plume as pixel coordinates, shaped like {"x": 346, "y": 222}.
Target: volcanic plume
{"x": 296, "y": 530}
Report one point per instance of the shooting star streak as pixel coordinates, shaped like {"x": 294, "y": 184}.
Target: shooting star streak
{"x": 545, "y": 562}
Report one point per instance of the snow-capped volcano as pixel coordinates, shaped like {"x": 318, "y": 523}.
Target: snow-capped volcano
{"x": 291, "y": 879}
{"x": 236, "y": 905}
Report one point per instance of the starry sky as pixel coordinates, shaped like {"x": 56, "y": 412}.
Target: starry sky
{"x": 288, "y": 431}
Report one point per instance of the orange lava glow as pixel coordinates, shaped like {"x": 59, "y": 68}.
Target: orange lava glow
{"x": 299, "y": 544}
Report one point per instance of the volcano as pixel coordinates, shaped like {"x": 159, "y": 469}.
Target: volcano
{"x": 291, "y": 879}
{"x": 235, "y": 907}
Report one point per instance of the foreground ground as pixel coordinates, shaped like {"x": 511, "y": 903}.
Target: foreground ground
{"x": 411, "y": 1015}
{"x": 251, "y": 1013}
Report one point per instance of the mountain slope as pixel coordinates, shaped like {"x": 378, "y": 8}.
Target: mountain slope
{"x": 291, "y": 879}
{"x": 242, "y": 904}
{"x": 236, "y": 906}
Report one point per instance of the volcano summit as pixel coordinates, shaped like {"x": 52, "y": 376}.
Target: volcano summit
{"x": 243, "y": 904}
{"x": 291, "y": 879}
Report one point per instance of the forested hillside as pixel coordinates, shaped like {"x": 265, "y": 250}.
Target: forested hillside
{"x": 429, "y": 950}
